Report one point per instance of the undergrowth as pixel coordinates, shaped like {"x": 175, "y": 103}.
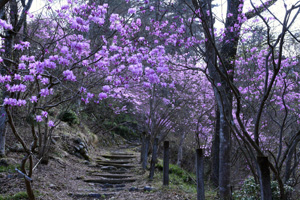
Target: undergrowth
{"x": 182, "y": 181}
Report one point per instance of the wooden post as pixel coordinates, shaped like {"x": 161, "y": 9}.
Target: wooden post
{"x": 145, "y": 156}
{"x": 153, "y": 160}
{"x": 264, "y": 179}
{"x": 200, "y": 174}
{"x": 166, "y": 163}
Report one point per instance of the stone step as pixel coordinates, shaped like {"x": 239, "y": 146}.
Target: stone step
{"x": 113, "y": 175}
{"x": 122, "y": 153}
{"x": 115, "y": 156}
{"x": 114, "y": 161}
{"x": 110, "y": 181}
{"x": 92, "y": 195}
{"x": 116, "y": 165}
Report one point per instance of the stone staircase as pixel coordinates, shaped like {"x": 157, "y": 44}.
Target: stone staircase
{"x": 113, "y": 172}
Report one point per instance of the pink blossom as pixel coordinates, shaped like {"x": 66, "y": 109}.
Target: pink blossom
{"x": 69, "y": 75}
{"x": 45, "y": 114}
{"x": 38, "y": 118}
{"x": 131, "y": 10}
{"x": 51, "y": 123}
{"x": 33, "y": 99}
{"x": 102, "y": 95}
{"x": 106, "y": 88}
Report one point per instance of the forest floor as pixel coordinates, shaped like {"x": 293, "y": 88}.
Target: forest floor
{"x": 63, "y": 178}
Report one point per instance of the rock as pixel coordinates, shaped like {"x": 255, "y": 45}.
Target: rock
{"x": 17, "y": 148}
{"x": 80, "y": 178}
{"x": 78, "y": 141}
{"x": 2, "y": 175}
{"x": 122, "y": 169}
{"x": 108, "y": 168}
{"x": 133, "y": 189}
{"x": 3, "y": 162}
{"x": 86, "y": 162}
{"x": 52, "y": 186}
{"x": 9, "y": 176}
{"x": 148, "y": 188}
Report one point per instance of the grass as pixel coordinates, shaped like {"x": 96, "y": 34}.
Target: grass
{"x": 17, "y": 196}
{"x": 181, "y": 181}
{"x": 9, "y": 168}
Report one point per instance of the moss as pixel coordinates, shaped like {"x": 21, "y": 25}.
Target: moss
{"x": 69, "y": 116}
{"x": 176, "y": 170}
{"x": 9, "y": 168}
{"x": 17, "y": 196}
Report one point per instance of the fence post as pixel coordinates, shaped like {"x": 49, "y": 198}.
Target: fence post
{"x": 166, "y": 163}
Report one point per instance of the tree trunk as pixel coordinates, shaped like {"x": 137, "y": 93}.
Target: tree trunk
{"x": 143, "y": 140}
{"x": 224, "y": 159}
{"x": 144, "y": 151}
{"x": 264, "y": 179}
{"x": 180, "y": 149}
{"x": 215, "y": 151}
{"x": 2, "y": 131}
{"x": 200, "y": 174}
{"x": 154, "y": 158}
{"x": 166, "y": 163}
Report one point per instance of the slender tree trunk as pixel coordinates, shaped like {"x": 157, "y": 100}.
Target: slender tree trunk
{"x": 143, "y": 140}
{"x": 200, "y": 174}
{"x": 154, "y": 158}
{"x": 265, "y": 180}
{"x": 2, "y": 131}
{"x": 180, "y": 149}
{"x": 166, "y": 163}
{"x": 224, "y": 159}
{"x": 215, "y": 151}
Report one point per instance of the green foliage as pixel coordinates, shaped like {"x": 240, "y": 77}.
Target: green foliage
{"x": 179, "y": 172}
{"x": 251, "y": 190}
{"x": 69, "y": 116}
{"x": 9, "y": 168}
{"x": 17, "y": 196}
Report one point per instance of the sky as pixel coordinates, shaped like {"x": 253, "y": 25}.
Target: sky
{"x": 220, "y": 11}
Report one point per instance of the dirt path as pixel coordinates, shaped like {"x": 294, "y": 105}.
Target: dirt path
{"x": 113, "y": 173}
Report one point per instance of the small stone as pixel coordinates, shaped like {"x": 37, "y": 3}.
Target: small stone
{"x": 52, "y": 186}
{"x": 95, "y": 195}
{"x": 108, "y": 168}
{"x": 148, "y": 188}
{"x": 132, "y": 189}
{"x": 2, "y": 175}
{"x": 10, "y": 176}
{"x": 120, "y": 185}
{"x": 86, "y": 162}
{"x": 4, "y": 163}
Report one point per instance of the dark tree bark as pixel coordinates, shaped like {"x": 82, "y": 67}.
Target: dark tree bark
{"x": 200, "y": 174}
{"x": 215, "y": 151}
{"x": 166, "y": 163}
{"x": 154, "y": 159}
{"x": 180, "y": 149}
{"x": 265, "y": 180}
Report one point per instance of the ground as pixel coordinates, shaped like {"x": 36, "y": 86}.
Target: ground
{"x": 63, "y": 177}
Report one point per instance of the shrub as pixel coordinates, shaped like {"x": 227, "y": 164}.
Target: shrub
{"x": 69, "y": 116}
{"x": 251, "y": 190}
